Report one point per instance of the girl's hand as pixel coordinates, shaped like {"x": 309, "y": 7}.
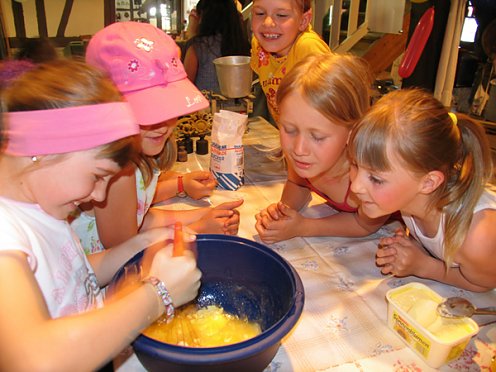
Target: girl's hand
{"x": 273, "y": 211}
{"x": 283, "y": 227}
{"x": 199, "y": 184}
{"x": 222, "y": 219}
{"x": 400, "y": 255}
{"x": 231, "y": 225}
{"x": 180, "y": 274}
{"x": 161, "y": 235}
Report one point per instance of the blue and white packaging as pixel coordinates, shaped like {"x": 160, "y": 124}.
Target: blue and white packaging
{"x": 227, "y": 163}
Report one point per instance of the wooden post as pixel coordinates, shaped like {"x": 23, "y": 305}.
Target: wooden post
{"x": 4, "y": 42}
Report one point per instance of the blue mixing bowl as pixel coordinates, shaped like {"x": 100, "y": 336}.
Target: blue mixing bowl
{"x": 247, "y": 279}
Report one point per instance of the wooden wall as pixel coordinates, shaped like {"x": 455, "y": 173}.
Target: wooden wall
{"x": 59, "y": 20}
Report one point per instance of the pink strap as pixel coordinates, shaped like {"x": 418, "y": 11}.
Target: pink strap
{"x": 56, "y": 131}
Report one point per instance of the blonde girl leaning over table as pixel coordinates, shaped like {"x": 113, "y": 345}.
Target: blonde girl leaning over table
{"x": 433, "y": 166}
{"x": 143, "y": 61}
{"x": 320, "y": 101}
{"x": 282, "y": 36}
{"x": 66, "y": 133}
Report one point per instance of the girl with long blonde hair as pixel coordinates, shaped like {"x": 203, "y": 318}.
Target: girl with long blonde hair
{"x": 414, "y": 156}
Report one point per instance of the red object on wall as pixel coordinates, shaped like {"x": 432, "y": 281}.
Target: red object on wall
{"x": 417, "y": 43}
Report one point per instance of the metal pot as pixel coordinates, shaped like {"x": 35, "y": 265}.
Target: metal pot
{"x": 234, "y": 75}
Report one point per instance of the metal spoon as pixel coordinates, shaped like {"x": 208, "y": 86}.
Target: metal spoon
{"x": 459, "y": 307}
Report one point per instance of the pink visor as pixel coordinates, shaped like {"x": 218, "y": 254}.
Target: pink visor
{"x": 57, "y": 131}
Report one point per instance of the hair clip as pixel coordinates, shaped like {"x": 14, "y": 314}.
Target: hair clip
{"x": 453, "y": 117}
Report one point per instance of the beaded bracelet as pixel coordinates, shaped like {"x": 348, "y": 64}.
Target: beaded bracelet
{"x": 164, "y": 295}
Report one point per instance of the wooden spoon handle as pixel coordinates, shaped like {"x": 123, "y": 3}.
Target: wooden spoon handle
{"x": 179, "y": 246}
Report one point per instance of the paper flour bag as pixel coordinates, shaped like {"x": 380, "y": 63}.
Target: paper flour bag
{"x": 227, "y": 154}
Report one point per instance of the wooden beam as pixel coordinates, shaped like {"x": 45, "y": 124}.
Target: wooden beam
{"x": 352, "y": 39}
{"x": 353, "y": 11}
{"x": 4, "y": 42}
{"x": 335, "y": 25}
{"x": 41, "y": 17}
{"x": 385, "y": 50}
{"x": 109, "y": 12}
{"x": 64, "y": 19}
{"x": 18, "y": 11}
{"x": 58, "y": 42}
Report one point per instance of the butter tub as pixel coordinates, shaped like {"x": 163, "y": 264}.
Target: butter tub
{"x": 412, "y": 315}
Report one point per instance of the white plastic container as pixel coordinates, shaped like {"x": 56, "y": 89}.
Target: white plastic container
{"x": 412, "y": 315}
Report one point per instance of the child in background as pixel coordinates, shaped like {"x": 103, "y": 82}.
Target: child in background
{"x": 282, "y": 35}
{"x": 220, "y": 33}
{"x": 143, "y": 61}
{"x": 32, "y": 52}
{"x": 67, "y": 134}
{"x": 36, "y": 50}
{"x": 433, "y": 166}
{"x": 320, "y": 100}
{"x": 12, "y": 69}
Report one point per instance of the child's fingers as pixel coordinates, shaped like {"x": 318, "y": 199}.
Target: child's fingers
{"x": 231, "y": 229}
{"x": 222, "y": 213}
{"x": 269, "y": 223}
{"x": 273, "y": 212}
{"x": 386, "y": 251}
{"x": 402, "y": 233}
{"x": 387, "y": 269}
{"x": 385, "y": 256}
{"x": 285, "y": 209}
{"x": 233, "y": 220}
{"x": 384, "y": 261}
{"x": 202, "y": 175}
{"x": 210, "y": 184}
{"x": 259, "y": 227}
{"x": 230, "y": 205}
{"x": 267, "y": 236}
{"x": 388, "y": 241}
{"x": 264, "y": 220}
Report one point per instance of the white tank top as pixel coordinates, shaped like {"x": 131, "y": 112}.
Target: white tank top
{"x": 435, "y": 245}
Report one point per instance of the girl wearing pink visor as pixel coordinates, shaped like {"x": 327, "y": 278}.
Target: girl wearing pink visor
{"x": 144, "y": 63}
{"x": 66, "y": 133}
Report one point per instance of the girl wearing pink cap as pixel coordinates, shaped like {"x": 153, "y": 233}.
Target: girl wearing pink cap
{"x": 65, "y": 135}
{"x": 144, "y": 63}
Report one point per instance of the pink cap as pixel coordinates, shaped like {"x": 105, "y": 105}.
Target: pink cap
{"x": 144, "y": 63}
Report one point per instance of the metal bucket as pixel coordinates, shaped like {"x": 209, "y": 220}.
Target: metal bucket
{"x": 234, "y": 76}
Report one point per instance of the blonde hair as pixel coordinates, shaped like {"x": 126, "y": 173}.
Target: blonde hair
{"x": 336, "y": 85}
{"x": 305, "y": 5}
{"x": 417, "y": 127}
{"x": 68, "y": 83}
{"x": 302, "y": 6}
{"x": 163, "y": 161}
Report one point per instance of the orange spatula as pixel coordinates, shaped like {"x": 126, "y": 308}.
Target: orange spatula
{"x": 179, "y": 245}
